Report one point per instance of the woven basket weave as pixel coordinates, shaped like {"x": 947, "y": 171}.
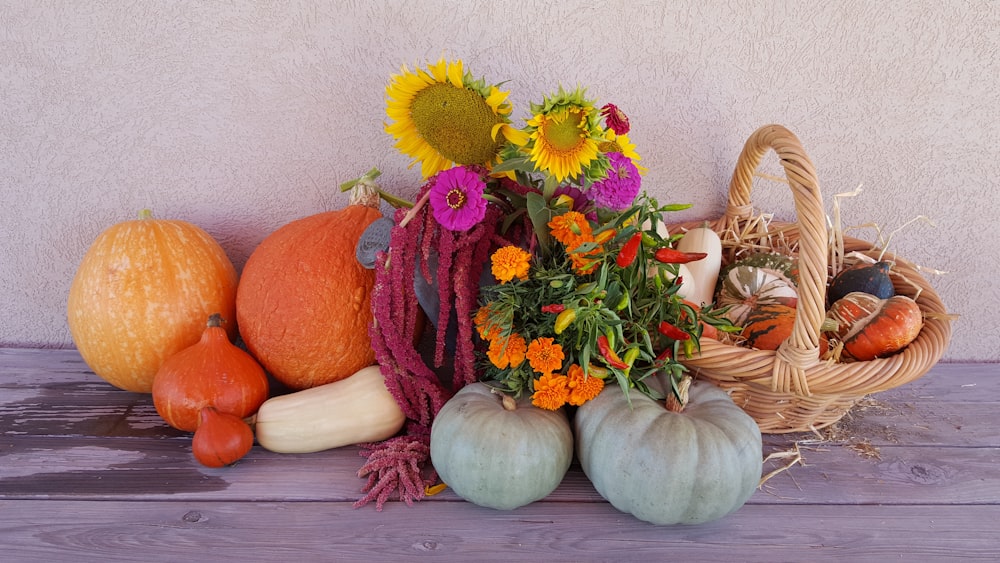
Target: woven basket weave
{"x": 792, "y": 389}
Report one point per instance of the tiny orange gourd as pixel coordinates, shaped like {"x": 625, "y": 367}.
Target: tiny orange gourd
{"x": 221, "y": 439}
{"x": 142, "y": 292}
{"x": 304, "y": 301}
{"x": 210, "y": 373}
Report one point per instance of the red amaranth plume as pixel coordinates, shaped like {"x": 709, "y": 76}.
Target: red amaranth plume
{"x": 397, "y": 465}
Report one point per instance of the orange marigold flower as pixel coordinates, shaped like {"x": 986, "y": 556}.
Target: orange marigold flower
{"x": 545, "y": 355}
{"x": 569, "y": 227}
{"x": 551, "y": 392}
{"x": 487, "y": 329}
{"x": 508, "y": 351}
{"x": 585, "y": 262}
{"x": 510, "y": 262}
{"x": 582, "y": 387}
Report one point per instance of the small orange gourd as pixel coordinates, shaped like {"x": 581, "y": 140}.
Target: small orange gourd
{"x": 221, "y": 439}
{"x": 210, "y": 373}
{"x": 871, "y": 327}
{"x": 304, "y": 301}
{"x": 767, "y": 326}
{"x": 142, "y": 293}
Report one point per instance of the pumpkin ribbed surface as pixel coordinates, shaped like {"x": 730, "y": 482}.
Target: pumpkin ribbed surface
{"x": 304, "y": 300}
{"x": 142, "y": 293}
{"x": 768, "y": 326}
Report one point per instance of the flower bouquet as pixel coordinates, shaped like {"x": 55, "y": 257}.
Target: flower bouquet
{"x": 551, "y": 271}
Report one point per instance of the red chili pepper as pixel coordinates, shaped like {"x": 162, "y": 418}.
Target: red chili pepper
{"x": 608, "y": 354}
{"x": 671, "y": 256}
{"x": 554, "y": 308}
{"x": 666, "y": 354}
{"x": 670, "y": 331}
{"x": 628, "y": 252}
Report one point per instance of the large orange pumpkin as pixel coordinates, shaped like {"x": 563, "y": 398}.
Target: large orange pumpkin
{"x": 304, "y": 301}
{"x": 142, "y": 293}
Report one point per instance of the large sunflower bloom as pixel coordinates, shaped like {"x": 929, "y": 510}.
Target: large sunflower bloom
{"x": 563, "y": 136}
{"x": 442, "y": 117}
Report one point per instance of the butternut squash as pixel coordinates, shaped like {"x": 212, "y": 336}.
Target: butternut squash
{"x": 704, "y": 272}
{"x": 353, "y": 410}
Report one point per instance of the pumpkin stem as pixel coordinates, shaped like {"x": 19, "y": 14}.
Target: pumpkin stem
{"x": 215, "y": 320}
{"x": 146, "y": 214}
{"x": 364, "y": 191}
{"x": 679, "y": 397}
{"x": 508, "y": 402}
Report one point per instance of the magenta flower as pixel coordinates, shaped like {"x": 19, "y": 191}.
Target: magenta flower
{"x": 615, "y": 119}
{"x": 457, "y": 198}
{"x": 617, "y": 191}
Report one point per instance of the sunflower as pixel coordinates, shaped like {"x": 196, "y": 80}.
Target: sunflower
{"x": 443, "y": 117}
{"x": 563, "y": 137}
{"x": 622, "y": 144}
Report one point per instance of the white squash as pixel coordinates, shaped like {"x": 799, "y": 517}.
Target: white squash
{"x": 354, "y": 410}
{"x": 704, "y": 272}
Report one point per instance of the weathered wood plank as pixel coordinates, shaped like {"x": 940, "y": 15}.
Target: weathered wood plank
{"x": 117, "y": 531}
{"x": 115, "y": 468}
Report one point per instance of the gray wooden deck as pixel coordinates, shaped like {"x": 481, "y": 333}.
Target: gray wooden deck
{"x": 88, "y": 472}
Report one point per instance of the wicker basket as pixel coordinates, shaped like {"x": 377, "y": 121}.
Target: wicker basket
{"x": 792, "y": 389}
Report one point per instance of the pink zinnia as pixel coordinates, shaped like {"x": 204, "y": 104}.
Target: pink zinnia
{"x": 617, "y": 191}
{"x": 615, "y": 119}
{"x": 457, "y": 199}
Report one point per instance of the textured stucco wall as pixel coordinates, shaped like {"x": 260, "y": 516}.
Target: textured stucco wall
{"x": 243, "y": 116}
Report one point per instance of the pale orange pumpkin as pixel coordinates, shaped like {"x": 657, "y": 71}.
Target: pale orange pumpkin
{"x": 304, "y": 301}
{"x": 210, "y": 373}
{"x": 142, "y": 293}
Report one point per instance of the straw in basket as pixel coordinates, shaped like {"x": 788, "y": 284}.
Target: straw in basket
{"x": 793, "y": 389}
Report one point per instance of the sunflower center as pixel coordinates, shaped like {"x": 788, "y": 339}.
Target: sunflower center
{"x": 455, "y": 198}
{"x": 457, "y": 122}
{"x": 564, "y": 131}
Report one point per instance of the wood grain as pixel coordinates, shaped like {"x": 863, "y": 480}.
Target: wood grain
{"x": 91, "y": 472}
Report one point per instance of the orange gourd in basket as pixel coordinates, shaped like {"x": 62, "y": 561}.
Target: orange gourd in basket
{"x": 792, "y": 389}
{"x": 871, "y": 327}
{"x": 304, "y": 301}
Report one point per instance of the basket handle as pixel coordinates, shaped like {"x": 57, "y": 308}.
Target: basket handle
{"x": 801, "y": 349}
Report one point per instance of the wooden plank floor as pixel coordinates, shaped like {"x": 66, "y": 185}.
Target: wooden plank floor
{"x": 89, "y": 472}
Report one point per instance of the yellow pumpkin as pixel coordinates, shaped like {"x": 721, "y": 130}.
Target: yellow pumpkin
{"x": 142, "y": 293}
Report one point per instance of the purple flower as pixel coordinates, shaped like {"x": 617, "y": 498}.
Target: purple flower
{"x": 617, "y": 191}
{"x": 457, "y": 198}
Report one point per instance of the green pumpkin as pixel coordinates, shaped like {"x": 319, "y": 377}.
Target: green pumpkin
{"x": 669, "y": 467}
{"x": 497, "y": 452}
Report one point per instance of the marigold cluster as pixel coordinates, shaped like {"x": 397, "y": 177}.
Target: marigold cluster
{"x": 573, "y": 230}
{"x": 552, "y": 391}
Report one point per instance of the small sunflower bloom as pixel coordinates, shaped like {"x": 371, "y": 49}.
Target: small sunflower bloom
{"x": 551, "y": 392}
{"x": 582, "y": 387}
{"x": 507, "y": 352}
{"x": 563, "y": 135}
{"x": 545, "y": 355}
{"x": 456, "y": 199}
{"x": 510, "y": 262}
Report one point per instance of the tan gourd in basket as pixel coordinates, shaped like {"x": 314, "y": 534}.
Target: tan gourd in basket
{"x": 792, "y": 389}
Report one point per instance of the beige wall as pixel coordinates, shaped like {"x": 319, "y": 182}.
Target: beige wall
{"x": 242, "y": 116}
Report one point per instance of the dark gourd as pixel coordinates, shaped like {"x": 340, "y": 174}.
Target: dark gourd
{"x": 872, "y": 279}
